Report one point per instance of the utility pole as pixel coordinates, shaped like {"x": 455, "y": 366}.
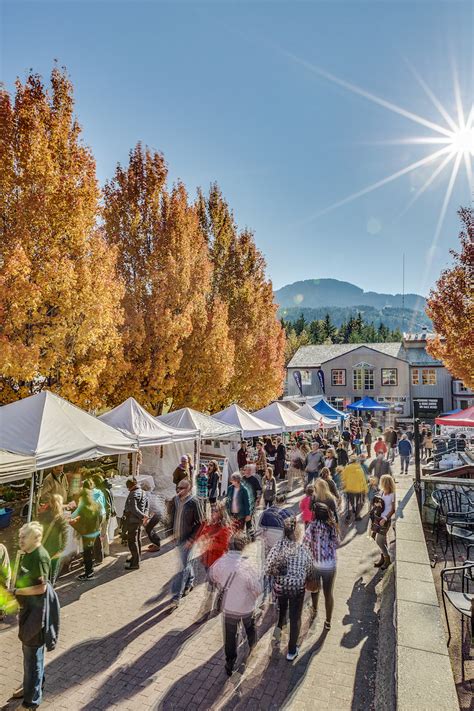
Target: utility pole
{"x": 416, "y": 438}
{"x": 403, "y": 293}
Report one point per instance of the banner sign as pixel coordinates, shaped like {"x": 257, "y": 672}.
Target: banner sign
{"x": 321, "y": 379}
{"x": 427, "y": 407}
{"x": 298, "y": 381}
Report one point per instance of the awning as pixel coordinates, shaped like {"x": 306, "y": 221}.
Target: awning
{"x": 280, "y": 416}
{"x": 309, "y": 413}
{"x": 250, "y": 425}
{"x": 15, "y": 466}
{"x": 55, "y": 432}
{"x": 465, "y": 418}
{"x": 367, "y": 404}
{"x": 132, "y": 419}
{"x": 209, "y": 427}
{"x": 324, "y": 408}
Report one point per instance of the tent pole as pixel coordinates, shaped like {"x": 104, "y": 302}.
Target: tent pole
{"x": 32, "y": 494}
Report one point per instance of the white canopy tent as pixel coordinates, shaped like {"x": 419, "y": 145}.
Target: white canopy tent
{"x": 55, "y": 432}
{"x": 209, "y": 427}
{"x": 250, "y": 425}
{"x": 309, "y": 413}
{"x": 279, "y": 415}
{"x": 15, "y": 466}
{"x": 161, "y": 445}
{"x": 134, "y": 420}
{"x": 218, "y": 440}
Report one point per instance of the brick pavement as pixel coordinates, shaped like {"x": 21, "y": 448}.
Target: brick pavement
{"x": 120, "y": 649}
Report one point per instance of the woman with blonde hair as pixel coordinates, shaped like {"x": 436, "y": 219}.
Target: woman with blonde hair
{"x": 323, "y": 495}
{"x": 326, "y": 475}
{"x": 387, "y": 491}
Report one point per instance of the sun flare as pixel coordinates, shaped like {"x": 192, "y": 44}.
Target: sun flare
{"x": 463, "y": 140}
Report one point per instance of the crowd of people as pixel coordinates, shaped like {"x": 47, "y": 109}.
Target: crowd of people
{"x": 212, "y": 527}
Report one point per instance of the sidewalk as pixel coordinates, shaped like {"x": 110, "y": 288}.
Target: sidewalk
{"x": 120, "y": 649}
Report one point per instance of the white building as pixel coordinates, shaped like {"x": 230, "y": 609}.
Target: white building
{"x": 402, "y": 374}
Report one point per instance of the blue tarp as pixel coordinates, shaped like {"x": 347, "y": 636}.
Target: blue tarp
{"x": 367, "y": 404}
{"x": 451, "y": 412}
{"x": 324, "y": 408}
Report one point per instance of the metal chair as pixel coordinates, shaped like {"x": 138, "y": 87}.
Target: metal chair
{"x": 449, "y": 500}
{"x": 459, "y": 526}
{"x": 462, "y": 601}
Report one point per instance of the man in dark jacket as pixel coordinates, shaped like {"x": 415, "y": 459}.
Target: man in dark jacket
{"x": 186, "y": 517}
{"x": 342, "y": 456}
{"x": 379, "y": 466}
{"x": 280, "y": 459}
{"x": 242, "y": 455}
{"x": 239, "y": 504}
{"x": 136, "y": 513}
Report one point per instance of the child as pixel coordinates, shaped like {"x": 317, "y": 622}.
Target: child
{"x": 373, "y": 488}
{"x": 201, "y": 486}
{"x": 305, "y": 506}
{"x": 269, "y": 488}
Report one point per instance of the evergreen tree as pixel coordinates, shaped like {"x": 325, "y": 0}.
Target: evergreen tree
{"x": 329, "y": 329}
{"x": 300, "y": 325}
{"x": 382, "y": 333}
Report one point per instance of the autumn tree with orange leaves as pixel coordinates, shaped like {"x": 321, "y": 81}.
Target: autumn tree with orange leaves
{"x": 451, "y": 308}
{"x": 239, "y": 280}
{"x": 175, "y": 334}
{"x": 60, "y": 300}
{"x": 136, "y": 290}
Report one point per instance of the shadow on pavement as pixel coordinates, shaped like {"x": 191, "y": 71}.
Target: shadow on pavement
{"x": 363, "y": 621}
{"x": 130, "y": 679}
{"x": 94, "y": 656}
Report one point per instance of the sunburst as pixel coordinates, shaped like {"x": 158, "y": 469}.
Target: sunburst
{"x": 453, "y": 138}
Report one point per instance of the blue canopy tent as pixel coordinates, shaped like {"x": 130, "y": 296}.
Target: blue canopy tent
{"x": 324, "y": 408}
{"x": 367, "y": 404}
{"x": 451, "y": 412}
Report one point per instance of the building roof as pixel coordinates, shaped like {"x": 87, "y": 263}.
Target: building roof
{"x": 312, "y": 356}
{"x": 420, "y": 356}
{"x": 423, "y": 336}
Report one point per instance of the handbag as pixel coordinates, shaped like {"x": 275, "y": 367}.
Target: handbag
{"x": 220, "y": 595}
{"x": 312, "y": 581}
{"x": 80, "y": 526}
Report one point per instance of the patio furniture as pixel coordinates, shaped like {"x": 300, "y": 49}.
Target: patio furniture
{"x": 460, "y": 527}
{"x": 461, "y": 600}
{"x": 449, "y": 500}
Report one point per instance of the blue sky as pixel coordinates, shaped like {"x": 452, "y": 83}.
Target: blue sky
{"x": 228, "y": 92}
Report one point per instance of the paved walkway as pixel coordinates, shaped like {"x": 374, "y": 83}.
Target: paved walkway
{"x": 120, "y": 649}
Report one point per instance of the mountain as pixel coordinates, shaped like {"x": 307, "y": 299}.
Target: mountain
{"x": 314, "y": 298}
{"x": 314, "y": 293}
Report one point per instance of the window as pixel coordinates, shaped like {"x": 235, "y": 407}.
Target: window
{"x": 428, "y": 376}
{"x": 368, "y": 379}
{"x": 338, "y": 377}
{"x": 463, "y": 404}
{"x": 306, "y": 377}
{"x": 358, "y": 378}
{"x": 389, "y": 376}
{"x": 363, "y": 378}
{"x": 462, "y": 388}
{"x": 337, "y": 402}
{"x": 423, "y": 376}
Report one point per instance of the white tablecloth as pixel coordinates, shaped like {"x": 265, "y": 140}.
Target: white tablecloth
{"x": 120, "y": 496}
{"x": 120, "y": 491}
